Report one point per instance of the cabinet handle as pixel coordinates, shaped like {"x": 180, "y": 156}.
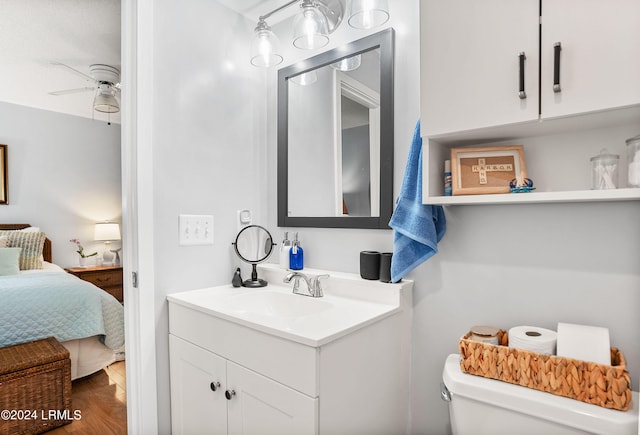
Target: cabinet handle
{"x": 557, "y": 47}
{"x": 214, "y": 386}
{"x": 229, "y": 394}
{"x": 522, "y": 94}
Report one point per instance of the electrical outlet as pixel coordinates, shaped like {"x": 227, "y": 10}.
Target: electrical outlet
{"x": 195, "y": 229}
{"x": 244, "y": 218}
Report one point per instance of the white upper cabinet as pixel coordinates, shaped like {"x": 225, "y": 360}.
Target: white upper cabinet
{"x": 471, "y": 74}
{"x": 599, "y": 57}
{"x": 470, "y": 66}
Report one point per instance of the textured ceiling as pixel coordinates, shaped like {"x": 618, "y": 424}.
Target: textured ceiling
{"x": 34, "y": 33}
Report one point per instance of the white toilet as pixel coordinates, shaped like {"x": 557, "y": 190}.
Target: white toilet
{"x": 479, "y": 406}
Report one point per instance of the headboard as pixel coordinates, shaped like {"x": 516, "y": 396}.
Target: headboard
{"x": 46, "y": 251}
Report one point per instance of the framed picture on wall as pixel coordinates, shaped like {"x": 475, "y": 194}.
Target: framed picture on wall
{"x": 484, "y": 170}
{"x": 3, "y": 175}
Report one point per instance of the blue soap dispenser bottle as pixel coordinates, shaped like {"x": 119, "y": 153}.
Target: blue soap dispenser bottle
{"x": 296, "y": 255}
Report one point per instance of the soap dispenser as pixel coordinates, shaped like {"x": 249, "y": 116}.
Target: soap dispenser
{"x": 285, "y": 247}
{"x": 236, "y": 281}
{"x": 296, "y": 258}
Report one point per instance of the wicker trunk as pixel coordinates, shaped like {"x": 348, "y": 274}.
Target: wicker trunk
{"x": 35, "y": 387}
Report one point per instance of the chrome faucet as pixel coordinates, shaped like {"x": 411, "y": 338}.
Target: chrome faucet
{"x": 314, "y": 287}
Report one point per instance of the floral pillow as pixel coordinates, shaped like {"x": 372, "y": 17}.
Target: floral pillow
{"x": 31, "y": 242}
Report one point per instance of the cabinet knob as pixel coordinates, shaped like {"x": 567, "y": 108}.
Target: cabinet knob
{"x": 229, "y": 394}
{"x": 214, "y": 386}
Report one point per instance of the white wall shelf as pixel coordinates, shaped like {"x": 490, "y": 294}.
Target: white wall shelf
{"x": 626, "y": 194}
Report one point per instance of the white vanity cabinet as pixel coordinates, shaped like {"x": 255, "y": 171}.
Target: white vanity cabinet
{"x": 470, "y": 64}
{"x": 212, "y": 395}
{"x": 336, "y": 364}
{"x": 471, "y": 90}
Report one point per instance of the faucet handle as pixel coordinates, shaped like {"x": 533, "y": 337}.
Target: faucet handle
{"x": 317, "y": 284}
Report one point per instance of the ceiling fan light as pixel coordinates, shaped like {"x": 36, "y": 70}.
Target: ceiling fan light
{"x": 367, "y": 14}
{"x": 310, "y": 28}
{"x": 266, "y": 47}
{"x": 105, "y": 100}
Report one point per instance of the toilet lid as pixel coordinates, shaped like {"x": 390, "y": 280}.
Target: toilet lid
{"x": 570, "y": 412}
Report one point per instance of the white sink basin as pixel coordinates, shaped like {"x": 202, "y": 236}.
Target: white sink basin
{"x": 349, "y": 303}
{"x": 277, "y": 304}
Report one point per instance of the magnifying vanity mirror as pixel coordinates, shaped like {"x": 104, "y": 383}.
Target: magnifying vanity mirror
{"x": 335, "y": 137}
{"x": 254, "y": 245}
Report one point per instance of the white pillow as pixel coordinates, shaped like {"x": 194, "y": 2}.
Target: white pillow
{"x": 9, "y": 261}
{"x": 31, "y": 230}
{"x": 4, "y": 241}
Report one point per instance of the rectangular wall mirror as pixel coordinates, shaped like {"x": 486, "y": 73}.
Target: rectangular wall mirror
{"x": 335, "y": 137}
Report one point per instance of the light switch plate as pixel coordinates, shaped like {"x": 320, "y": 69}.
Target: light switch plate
{"x": 195, "y": 229}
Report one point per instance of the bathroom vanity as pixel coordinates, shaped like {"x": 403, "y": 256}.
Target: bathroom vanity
{"x": 260, "y": 361}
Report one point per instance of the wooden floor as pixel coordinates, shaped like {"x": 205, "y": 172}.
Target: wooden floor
{"x": 101, "y": 399}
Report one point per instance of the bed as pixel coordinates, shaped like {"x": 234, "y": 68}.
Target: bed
{"x": 41, "y": 300}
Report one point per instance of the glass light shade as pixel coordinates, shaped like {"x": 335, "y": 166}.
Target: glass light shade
{"x": 105, "y": 100}
{"x": 265, "y": 48}
{"x": 310, "y": 28}
{"x": 305, "y": 79}
{"x": 367, "y": 14}
{"x": 106, "y": 231}
{"x": 348, "y": 64}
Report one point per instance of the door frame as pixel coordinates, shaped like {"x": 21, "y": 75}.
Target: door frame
{"x": 137, "y": 215}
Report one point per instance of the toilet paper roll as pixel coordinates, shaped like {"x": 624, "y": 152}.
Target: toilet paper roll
{"x": 586, "y": 343}
{"x": 534, "y": 339}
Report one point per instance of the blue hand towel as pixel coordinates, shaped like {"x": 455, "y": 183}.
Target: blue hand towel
{"x": 417, "y": 227}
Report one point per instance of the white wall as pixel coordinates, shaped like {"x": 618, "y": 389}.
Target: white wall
{"x": 208, "y": 148}
{"x": 64, "y": 176}
{"x": 498, "y": 265}
{"x": 215, "y": 151}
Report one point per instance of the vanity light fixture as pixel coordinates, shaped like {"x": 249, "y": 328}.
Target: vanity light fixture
{"x": 265, "y": 48}
{"x": 348, "y": 63}
{"x": 310, "y": 28}
{"x": 367, "y": 14}
{"x": 313, "y": 25}
{"x": 305, "y": 79}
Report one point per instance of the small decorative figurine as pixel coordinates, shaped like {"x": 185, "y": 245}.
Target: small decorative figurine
{"x": 521, "y": 185}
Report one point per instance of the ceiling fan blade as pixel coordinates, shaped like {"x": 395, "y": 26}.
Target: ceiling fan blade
{"x": 74, "y": 71}
{"x": 71, "y": 91}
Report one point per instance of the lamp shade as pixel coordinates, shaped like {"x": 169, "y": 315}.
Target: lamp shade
{"x": 107, "y": 231}
{"x": 265, "y": 50}
{"x": 367, "y": 14}
{"x": 105, "y": 100}
{"x": 310, "y": 28}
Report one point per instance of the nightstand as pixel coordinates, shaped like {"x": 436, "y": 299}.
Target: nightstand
{"x": 108, "y": 278}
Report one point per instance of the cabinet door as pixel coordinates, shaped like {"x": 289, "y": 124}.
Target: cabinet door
{"x": 470, "y": 67}
{"x": 262, "y": 406}
{"x": 195, "y": 408}
{"x": 599, "y": 57}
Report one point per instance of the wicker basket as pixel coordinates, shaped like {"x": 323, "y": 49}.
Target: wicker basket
{"x": 598, "y": 384}
{"x": 35, "y": 384}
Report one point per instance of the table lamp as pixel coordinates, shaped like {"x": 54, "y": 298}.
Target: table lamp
{"x": 107, "y": 232}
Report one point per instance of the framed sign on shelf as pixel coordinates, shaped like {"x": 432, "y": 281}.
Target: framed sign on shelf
{"x": 485, "y": 170}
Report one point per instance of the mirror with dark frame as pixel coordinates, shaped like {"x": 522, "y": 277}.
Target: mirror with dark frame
{"x": 335, "y": 137}
{"x": 254, "y": 245}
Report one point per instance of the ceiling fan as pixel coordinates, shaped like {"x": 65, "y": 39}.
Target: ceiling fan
{"x": 104, "y": 80}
